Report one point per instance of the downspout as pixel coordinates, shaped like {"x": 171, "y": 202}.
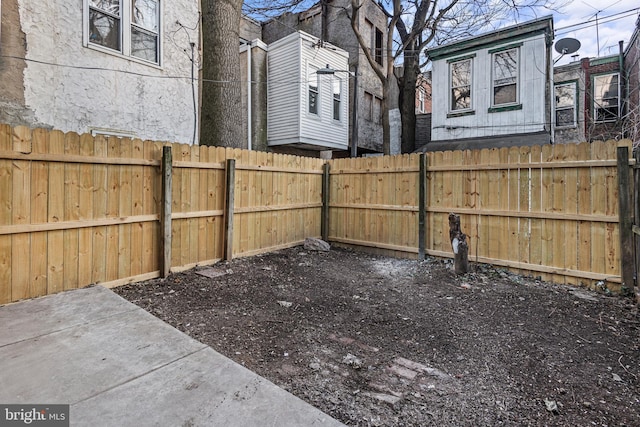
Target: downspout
{"x": 622, "y": 96}
{"x": 552, "y": 126}
{"x": 249, "y": 89}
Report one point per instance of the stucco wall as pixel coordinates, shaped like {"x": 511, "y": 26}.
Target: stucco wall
{"x": 12, "y": 107}
{"x": 572, "y": 73}
{"x": 112, "y": 92}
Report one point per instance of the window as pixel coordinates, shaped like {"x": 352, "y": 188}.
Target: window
{"x": 378, "y": 47}
{"x": 337, "y": 97}
{"x": 377, "y": 110}
{"x": 375, "y": 41}
{"x": 421, "y": 97}
{"x": 460, "y": 85}
{"x": 368, "y": 106}
{"x": 505, "y": 77}
{"x": 565, "y": 105}
{"x": 313, "y": 90}
{"x": 130, "y": 27}
{"x": 606, "y": 102}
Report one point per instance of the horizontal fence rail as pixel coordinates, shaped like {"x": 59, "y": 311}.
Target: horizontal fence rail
{"x": 78, "y": 209}
{"x": 549, "y": 211}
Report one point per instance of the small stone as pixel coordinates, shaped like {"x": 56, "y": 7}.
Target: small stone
{"x": 352, "y": 361}
{"x": 551, "y": 405}
{"x": 314, "y": 366}
{"x": 616, "y": 377}
{"x": 314, "y": 244}
{"x": 285, "y": 304}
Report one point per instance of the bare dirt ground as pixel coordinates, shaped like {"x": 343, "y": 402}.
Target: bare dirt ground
{"x": 376, "y": 341}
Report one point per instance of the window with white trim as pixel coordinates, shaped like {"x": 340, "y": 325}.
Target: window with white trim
{"x": 505, "y": 77}
{"x": 460, "y": 85}
{"x": 606, "y": 99}
{"x": 421, "y": 98}
{"x": 313, "y": 83}
{"x": 565, "y": 94}
{"x": 129, "y": 27}
{"x": 337, "y": 97}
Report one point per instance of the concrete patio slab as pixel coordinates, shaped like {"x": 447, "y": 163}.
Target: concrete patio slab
{"x": 116, "y": 364}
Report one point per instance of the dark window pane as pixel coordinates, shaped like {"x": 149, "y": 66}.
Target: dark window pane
{"x": 336, "y": 109}
{"x": 313, "y": 102}
{"x": 461, "y": 98}
{"x": 564, "y": 117}
{"x": 144, "y": 45}
{"x": 606, "y": 113}
{"x": 104, "y": 30}
{"x": 504, "y": 94}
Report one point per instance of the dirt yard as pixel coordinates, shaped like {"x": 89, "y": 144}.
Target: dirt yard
{"x": 376, "y": 341}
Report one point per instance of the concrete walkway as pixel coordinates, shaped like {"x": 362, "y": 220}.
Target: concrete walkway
{"x": 117, "y": 365}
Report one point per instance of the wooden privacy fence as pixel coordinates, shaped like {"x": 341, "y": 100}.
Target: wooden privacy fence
{"x": 77, "y": 209}
{"x": 550, "y": 211}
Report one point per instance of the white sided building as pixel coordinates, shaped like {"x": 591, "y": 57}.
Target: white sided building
{"x": 306, "y": 109}
{"x": 494, "y": 89}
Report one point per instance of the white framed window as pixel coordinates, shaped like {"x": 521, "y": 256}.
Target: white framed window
{"x": 337, "y": 98}
{"x": 505, "y": 77}
{"x": 565, "y": 105}
{"x": 421, "y": 98}
{"x": 128, "y": 27}
{"x": 313, "y": 82}
{"x": 606, "y": 98}
{"x": 460, "y": 78}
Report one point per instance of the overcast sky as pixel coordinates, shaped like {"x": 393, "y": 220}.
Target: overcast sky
{"x": 613, "y": 25}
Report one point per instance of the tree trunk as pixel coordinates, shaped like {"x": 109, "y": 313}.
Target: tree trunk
{"x": 408, "y": 102}
{"x": 459, "y": 245}
{"x": 221, "y": 122}
{"x": 386, "y": 130}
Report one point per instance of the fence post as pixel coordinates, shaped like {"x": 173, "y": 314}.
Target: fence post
{"x": 324, "y": 220}
{"x": 626, "y": 227}
{"x": 636, "y": 223}
{"x": 228, "y": 206}
{"x": 165, "y": 216}
{"x": 422, "y": 206}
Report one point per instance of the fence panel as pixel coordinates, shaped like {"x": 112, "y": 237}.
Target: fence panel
{"x": 549, "y": 211}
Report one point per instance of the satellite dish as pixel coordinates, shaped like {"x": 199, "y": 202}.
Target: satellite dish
{"x": 567, "y": 46}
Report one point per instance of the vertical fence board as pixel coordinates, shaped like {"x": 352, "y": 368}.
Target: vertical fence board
{"x": 598, "y": 207}
{"x": 55, "y": 240}
{"x": 535, "y": 239}
{"x": 39, "y": 211}
{"x": 6, "y": 203}
{"x": 85, "y": 212}
{"x": 137, "y": 208}
{"x": 571, "y": 207}
{"x": 21, "y": 214}
{"x": 125, "y": 208}
{"x": 100, "y": 198}
{"x": 584, "y": 208}
{"x": 558, "y": 206}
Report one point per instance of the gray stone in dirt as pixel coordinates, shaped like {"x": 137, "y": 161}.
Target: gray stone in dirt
{"x": 211, "y": 272}
{"x": 585, "y": 296}
{"x": 402, "y": 372}
{"x": 415, "y": 366}
{"x": 314, "y": 244}
{"x": 352, "y": 361}
{"x": 390, "y": 400}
